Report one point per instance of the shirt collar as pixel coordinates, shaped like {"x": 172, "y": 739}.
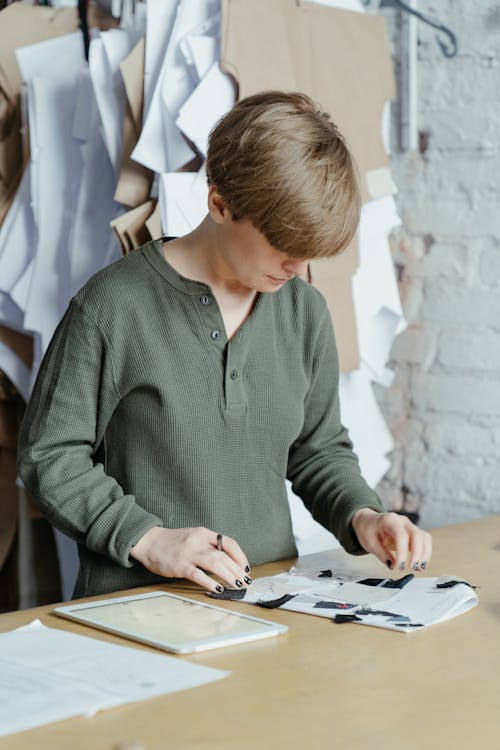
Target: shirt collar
{"x": 153, "y": 252}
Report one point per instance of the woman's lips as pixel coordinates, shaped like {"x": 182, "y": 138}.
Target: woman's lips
{"x": 279, "y": 281}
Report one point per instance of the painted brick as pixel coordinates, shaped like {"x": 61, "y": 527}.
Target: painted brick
{"x": 448, "y": 259}
{"x": 455, "y": 394}
{"x": 489, "y": 266}
{"x": 458, "y": 437}
{"x": 417, "y": 345}
{"x": 470, "y": 349}
{"x": 446, "y": 420}
{"x": 455, "y": 480}
{"x": 445, "y": 304}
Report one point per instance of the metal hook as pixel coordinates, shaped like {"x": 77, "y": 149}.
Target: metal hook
{"x": 450, "y": 48}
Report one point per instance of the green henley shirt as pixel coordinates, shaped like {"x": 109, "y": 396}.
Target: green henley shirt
{"x": 144, "y": 414}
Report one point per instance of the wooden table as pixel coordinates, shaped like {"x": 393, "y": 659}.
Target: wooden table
{"x": 323, "y": 685}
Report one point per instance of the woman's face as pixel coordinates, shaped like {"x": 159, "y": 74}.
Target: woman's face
{"x": 250, "y": 258}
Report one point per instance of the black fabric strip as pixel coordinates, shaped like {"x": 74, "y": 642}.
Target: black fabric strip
{"x": 229, "y": 594}
{"x": 275, "y": 603}
{"x": 347, "y": 618}
{"x": 326, "y": 574}
{"x": 450, "y": 584}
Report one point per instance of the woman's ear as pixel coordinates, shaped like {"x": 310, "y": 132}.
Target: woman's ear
{"x": 217, "y": 206}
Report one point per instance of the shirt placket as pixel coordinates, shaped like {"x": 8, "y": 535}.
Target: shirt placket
{"x": 235, "y": 352}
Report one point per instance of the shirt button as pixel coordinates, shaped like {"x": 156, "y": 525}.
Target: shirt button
{"x": 233, "y": 374}
{"x": 205, "y": 299}
{"x": 215, "y": 335}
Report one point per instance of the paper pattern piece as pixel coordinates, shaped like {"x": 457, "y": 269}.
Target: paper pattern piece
{"x": 134, "y": 181}
{"x": 339, "y": 589}
{"x": 47, "y": 675}
{"x": 20, "y": 25}
{"x": 161, "y": 146}
{"x": 182, "y": 199}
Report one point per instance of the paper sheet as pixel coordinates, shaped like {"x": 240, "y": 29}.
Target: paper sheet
{"x": 161, "y": 146}
{"x": 17, "y": 237}
{"x": 183, "y": 201}
{"x": 212, "y": 99}
{"x": 328, "y": 585}
{"x": 47, "y": 675}
{"x": 105, "y": 56}
{"x": 20, "y": 25}
{"x": 159, "y": 24}
{"x": 92, "y": 245}
{"x": 368, "y": 431}
{"x": 50, "y": 69}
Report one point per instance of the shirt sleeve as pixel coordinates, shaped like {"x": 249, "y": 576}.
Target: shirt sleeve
{"x": 322, "y": 467}
{"x": 63, "y": 428}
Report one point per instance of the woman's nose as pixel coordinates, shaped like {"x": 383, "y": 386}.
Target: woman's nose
{"x": 297, "y": 267}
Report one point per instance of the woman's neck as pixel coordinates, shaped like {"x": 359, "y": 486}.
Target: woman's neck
{"x": 197, "y": 256}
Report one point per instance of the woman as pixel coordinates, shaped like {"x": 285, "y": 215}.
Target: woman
{"x": 187, "y": 380}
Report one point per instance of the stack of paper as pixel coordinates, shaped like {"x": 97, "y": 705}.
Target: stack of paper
{"x": 48, "y": 675}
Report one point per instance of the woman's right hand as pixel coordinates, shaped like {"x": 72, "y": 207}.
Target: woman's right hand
{"x": 188, "y": 553}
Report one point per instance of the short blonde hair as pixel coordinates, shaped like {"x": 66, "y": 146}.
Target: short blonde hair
{"x": 279, "y": 161}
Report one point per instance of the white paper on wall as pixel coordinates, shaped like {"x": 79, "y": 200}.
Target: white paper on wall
{"x": 105, "y": 55}
{"x": 211, "y": 99}
{"x": 93, "y": 244}
{"x": 183, "y": 201}
{"x": 161, "y": 147}
{"x": 159, "y": 24}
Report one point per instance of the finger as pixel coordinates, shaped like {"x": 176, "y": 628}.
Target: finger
{"x": 221, "y": 565}
{"x": 427, "y": 551}
{"x": 198, "y": 576}
{"x": 416, "y": 546}
{"x": 383, "y": 554}
{"x": 234, "y": 551}
{"x": 401, "y": 540}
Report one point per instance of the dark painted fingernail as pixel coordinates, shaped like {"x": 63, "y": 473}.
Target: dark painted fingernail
{"x": 402, "y": 566}
{"x": 423, "y": 564}
{"x": 247, "y": 569}
{"x": 388, "y": 563}
{"x": 416, "y": 566}
{"x": 238, "y": 583}
{"x": 219, "y": 589}
{"x": 248, "y": 580}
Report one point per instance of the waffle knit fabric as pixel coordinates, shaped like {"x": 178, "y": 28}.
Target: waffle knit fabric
{"x": 144, "y": 414}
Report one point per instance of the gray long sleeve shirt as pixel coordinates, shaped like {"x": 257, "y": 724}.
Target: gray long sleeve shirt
{"x": 144, "y": 414}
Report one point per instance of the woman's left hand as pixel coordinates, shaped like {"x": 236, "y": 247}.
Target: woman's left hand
{"x": 393, "y": 538}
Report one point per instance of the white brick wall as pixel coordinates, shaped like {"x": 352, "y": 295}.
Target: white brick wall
{"x": 444, "y": 405}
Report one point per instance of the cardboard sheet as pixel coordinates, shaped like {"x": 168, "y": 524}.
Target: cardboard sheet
{"x": 153, "y": 224}
{"x": 130, "y": 228}
{"x": 134, "y": 181}
{"x": 20, "y": 343}
{"x": 297, "y": 46}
